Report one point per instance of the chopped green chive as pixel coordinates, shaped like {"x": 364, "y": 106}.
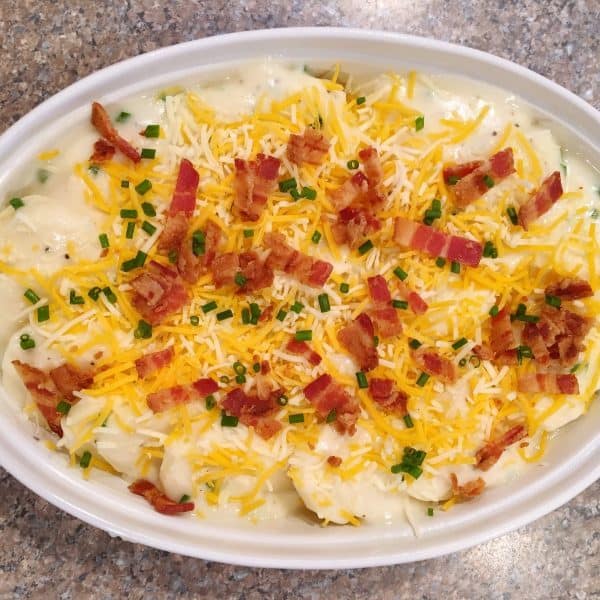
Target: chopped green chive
{"x": 494, "y": 310}
{"x": 148, "y": 228}
{"x": 129, "y": 265}
{"x": 402, "y": 304}
{"x": 194, "y": 319}
{"x": 198, "y": 243}
{"x": 361, "y": 378}
{"x": 16, "y": 203}
{"x": 553, "y": 300}
{"x": 229, "y": 421}
{"x": 281, "y": 315}
{"x": 143, "y": 187}
{"x": 110, "y": 295}
{"x": 254, "y": 310}
{"x": 361, "y": 100}
{"x": 331, "y": 416}
{"x": 297, "y": 307}
{"x": 316, "y": 236}
{"x": 455, "y": 267}
{"x": 152, "y": 131}
{"x": 296, "y": 418}
{"x": 414, "y": 344}
{"x": 210, "y": 402}
{"x": 287, "y": 185}
{"x": 400, "y": 273}
{"x": 122, "y": 117}
{"x": 523, "y": 352}
{"x": 94, "y": 169}
{"x": 375, "y": 341}
{"x": 104, "y": 243}
{"x": 86, "y": 457}
{"x": 239, "y": 368}
{"x": 422, "y": 379}
{"x": 94, "y": 293}
{"x": 124, "y": 183}
{"x": 128, "y": 213}
{"x": 148, "y": 153}
{"x": 206, "y": 308}
{"x": 130, "y": 230}
{"x": 512, "y": 215}
{"x": 185, "y": 498}
{"x": 63, "y": 407}
{"x": 440, "y": 262}
{"x": 489, "y": 250}
{"x": 408, "y": 421}
{"x": 309, "y": 193}
{"x": 304, "y": 335}
{"x": 248, "y": 233}
{"x": 31, "y": 296}
{"x": 453, "y": 180}
{"x": 246, "y": 316}
{"x": 459, "y": 343}
{"x": 173, "y": 256}
{"x": 226, "y": 314}
{"x": 224, "y": 379}
{"x": 352, "y": 164}
{"x": 43, "y": 313}
{"x": 282, "y": 400}
{"x": 240, "y": 379}
{"x": 462, "y": 362}
{"x": 489, "y": 182}
{"x": 143, "y": 331}
{"x": 419, "y": 123}
{"x": 365, "y": 247}
{"x": 148, "y": 209}
{"x": 239, "y": 279}
{"x": 256, "y": 367}
{"x": 324, "y": 303}
{"x": 475, "y": 361}
{"x": 74, "y": 298}
{"x": 42, "y": 175}
{"x": 574, "y": 368}
{"x": 526, "y": 318}
{"x": 295, "y": 194}
{"x": 344, "y": 288}
{"x": 429, "y": 511}
{"x": 26, "y": 342}
{"x": 140, "y": 258}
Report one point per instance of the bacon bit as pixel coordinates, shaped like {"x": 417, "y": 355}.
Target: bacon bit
{"x": 415, "y": 302}
{"x": 158, "y": 500}
{"x": 186, "y": 187}
{"x": 483, "y": 352}
{"x": 461, "y": 170}
{"x": 472, "y": 184}
{"x": 384, "y": 317}
{"x": 417, "y": 236}
{"x": 158, "y": 293}
{"x": 434, "y": 364}
{"x": 168, "y": 398}
{"x": 224, "y": 269}
{"x": 542, "y": 200}
{"x": 533, "y": 338}
{"x": 550, "y": 383}
{"x": 174, "y": 233}
{"x": 311, "y": 147}
{"x": 326, "y": 395}
{"x": 44, "y": 393}
{"x": 508, "y": 358}
{"x": 468, "y": 490}
{"x": 101, "y": 121}
{"x": 350, "y": 191}
{"x": 304, "y": 268}
{"x": 502, "y": 337}
{"x": 334, "y": 461}
{"x": 190, "y": 266}
{"x": 488, "y": 455}
{"x": 103, "y": 151}
{"x": 378, "y": 290}
{"x": 254, "y": 181}
{"x": 150, "y": 363}
{"x": 353, "y": 225}
{"x": 390, "y": 400}
{"x": 69, "y": 379}
{"x": 570, "y": 288}
{"x": 373, "y": 167}
{"x": 357, "y": 337}
{"x": 205, "y": 386}
{"x": 303, "y": 349}
{"x": 256, "y": 271}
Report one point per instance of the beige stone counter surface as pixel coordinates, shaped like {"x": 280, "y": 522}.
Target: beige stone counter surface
{"x": 46, "y": 45}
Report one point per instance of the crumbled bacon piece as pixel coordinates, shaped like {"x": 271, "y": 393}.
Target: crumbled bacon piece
{"x": 372, "y": 165}
{"x": 384, "y": 316}
{"x": 353, "y": 225}
{"x": 461, "y": 170}
{"x": 168, "y": 398}
{"x": 542, "y": 200}
{"x": 186, "y": 187}
{"x": 350, "y": 191}
{"x": 389, "y": 399}
{"x": 151, "y": 363}
{"x": 101, "y": 121}
{"x": 358, "y": 338}
{"x": 549, "y": 383}
{"x": 304, "y": 268}
{"x": 158, "y": 292}
{"x": 467, "y": 490}
{"x": 488, "y": 455}
{"x": 190, "y": 266}
{"x": 476, "y": 182}
{"x": 158, "y": 500}
{"x": 434, "y": 364}
{"x": 570, "y": 288}
{"x": 326, "y": 396}
{"x": 254, "y": 269}
{"x": 502, "y": 337}
{"x": 310, "y": 147}
{"x": 425, "y": 238}
{"x": 334, "y": 461}
{"x": 69, "y": 379}
{"x": 303, "y": 349}
{"x": 254, "y": 181}
{"x": 44, "y": 393}
{"x": 174, "y": 233}
{"x": 103, "y": 151}
{"x": 205, "y": 386}
{"x": 483, "y": 352}
{"x": 379, "y": 290}
{"x": 415, "y": 302}
{"x": 224, "y": 269}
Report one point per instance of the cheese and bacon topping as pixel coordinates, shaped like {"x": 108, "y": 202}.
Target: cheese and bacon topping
{"x": 342, "y": 294}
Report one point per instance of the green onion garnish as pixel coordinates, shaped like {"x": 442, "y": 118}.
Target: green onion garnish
{"x": 414, "y": 344}
{"x": 361, "y": 378}
{"x": 84, "y": 462}
{"x": 440, "y": 262}
{"x": 352, "y": 164}
{"x": 229, "y": 421}
{"x": 26, "y": 342}
{"x": 402, "y": 304}
{"x": 63, "y": 407}
{"x": 104, "y": 243}
{"x": 130, "y": 230}
{"x": 282, "y": 400}
{"x": 210, "y": 402}
{"x": 240, "y": 379}
{"x": 489, "y": 182}
{"x": 110, "y": 295}
{"x": 173, "y": 256}
{"x": 248, "y": 233}
{"x": 296, "y": 418}
{"x": 128, "y": 213}
{"x": 226, "y": 314}
{"x": 295, "y": 194}
{"x": 94, "y": 169}
{"x": 429, "y": 511}
{"x": 455, "y": 267}
{"x": 143, "y": 331}
{"x": 419, "y": 123}
{"x": 74, "y": 298}
{"x": 16, "y": 203}
{"x": 308, "y": 193}
{"x": 148, "y": 228}
{"x": 43, "y": 313}
{"x": 246, "y": 316}
{"x": 31, "y": 296}
{"x": 524, "y": 352}
{"x": 239, "y": 279}
{"x": 304, "y": 335}
{"x": 287, "y": 185}
{"x": 553, "y": 301}
{"x": 324, "y": 303}
{"x": 400, "y": 273}
{"x": 143, "y": 187}
{"x": 489, "y": 250}
{"x": 42, "y": 175}
{"x": 124, "y": 183}
{"x": 281, "y": 315}
{"x": 459, "y": 343}
{"x": 574, "y": 368}
{"x": 512, "y": 215}
{"x": 462, "y": 362}
{"x": 422, "y": 379}
{"x": 494, "y": 310}
{"x": 316, "y": 236}
{"x": 148, "y": 209}
{"x": 94, "y": 293}
{"x": 375, "y": 341}
{"x": 148, "y": 153}
{"x": 122, "y": 117}
{"x": 331, "y": 416}
{"x": 254, "y": 310}
{"x": 239, "y": 368}
{"x": 256, "y": 367}
{"x": 152, "y": 131}
{"x": 361, "y": 100}
{"x": 453, "y": 180}
{"x": 408, "y": 421}
{"x": 198, "y": 243}
{"x": 365, "y": 247}
{"x": 297, "y": 307}
{"x": 194, "y": 319}
{"x": 344, "y": 288}
{"x": 185, "y": 498}
{"x": 224, "y": 379}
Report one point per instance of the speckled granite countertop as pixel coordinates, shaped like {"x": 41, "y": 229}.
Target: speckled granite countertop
{"x": 45, "y": 46}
